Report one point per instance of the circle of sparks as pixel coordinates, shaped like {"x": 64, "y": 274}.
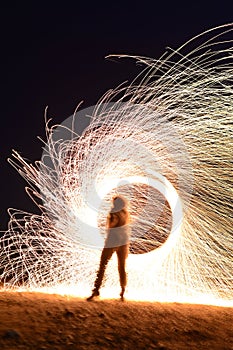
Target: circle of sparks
{"x": 165, "y": 143}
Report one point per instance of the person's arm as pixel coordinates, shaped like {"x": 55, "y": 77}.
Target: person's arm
{"x": 113, "y": 220}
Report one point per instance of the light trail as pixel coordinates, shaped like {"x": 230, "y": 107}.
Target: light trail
{"x": 165, "y": 143}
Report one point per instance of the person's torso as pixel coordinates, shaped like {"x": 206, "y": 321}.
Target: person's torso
{"x": 118, "y": 232}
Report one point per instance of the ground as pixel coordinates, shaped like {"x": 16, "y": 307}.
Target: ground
{"x": 41, "y": 321}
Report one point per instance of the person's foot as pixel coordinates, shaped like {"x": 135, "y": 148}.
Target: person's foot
{"x": 94, "y": 295}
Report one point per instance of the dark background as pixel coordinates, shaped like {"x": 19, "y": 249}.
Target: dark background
{"x": 55, "y": 55}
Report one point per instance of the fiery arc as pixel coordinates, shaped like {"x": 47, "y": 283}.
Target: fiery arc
{"x": 164, "y": 142}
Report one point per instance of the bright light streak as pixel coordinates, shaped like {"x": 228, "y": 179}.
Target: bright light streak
{"x": 166, "y": 145}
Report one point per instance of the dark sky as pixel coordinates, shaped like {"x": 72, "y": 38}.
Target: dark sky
{"x": 55, "y": 56}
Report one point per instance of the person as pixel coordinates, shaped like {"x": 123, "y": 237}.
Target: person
{"x": 117, "y": 240}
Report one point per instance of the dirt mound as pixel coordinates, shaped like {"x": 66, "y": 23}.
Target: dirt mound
{"x": 40, "y": 321}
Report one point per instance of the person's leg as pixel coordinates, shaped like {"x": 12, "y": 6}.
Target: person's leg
{"x": 105, "y": 257}
{"x": 122, "y": 253}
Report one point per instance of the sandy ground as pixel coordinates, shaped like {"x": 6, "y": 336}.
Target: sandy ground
{"x": 40, "y": 321}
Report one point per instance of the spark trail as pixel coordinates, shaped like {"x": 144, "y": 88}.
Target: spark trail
{"x": 165, "y": 143}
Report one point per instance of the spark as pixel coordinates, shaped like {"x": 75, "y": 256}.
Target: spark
{"x": 165, "y": 143}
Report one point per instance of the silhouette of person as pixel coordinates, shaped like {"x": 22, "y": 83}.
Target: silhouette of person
{"x": 117, "y": 240}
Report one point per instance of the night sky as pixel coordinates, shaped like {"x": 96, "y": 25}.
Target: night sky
{"x": 55, "y": 56}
